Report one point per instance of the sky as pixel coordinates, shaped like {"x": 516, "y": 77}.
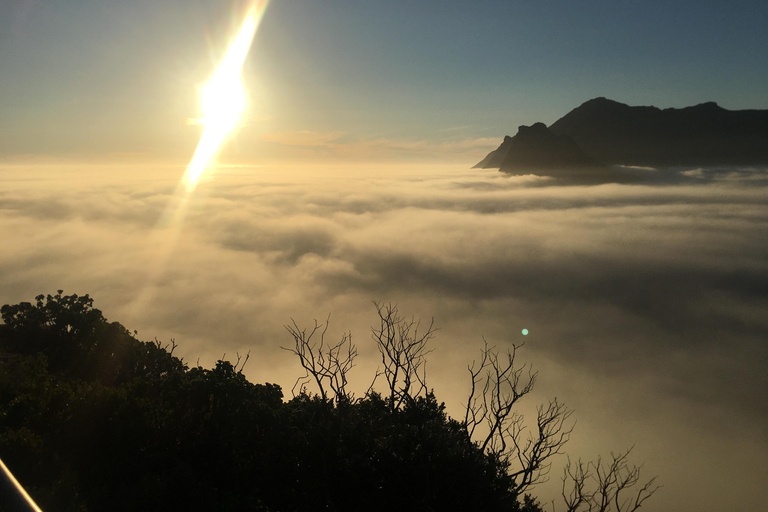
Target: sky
{"x": 358, "y": 80}
{"x": 349, "y": 182}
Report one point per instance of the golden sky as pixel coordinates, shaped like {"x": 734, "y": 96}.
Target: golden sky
{"x": 357, "y": 80}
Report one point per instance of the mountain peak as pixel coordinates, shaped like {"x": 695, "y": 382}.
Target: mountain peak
{"x": 703, "y": 134}
{"x": 536, "y": 150}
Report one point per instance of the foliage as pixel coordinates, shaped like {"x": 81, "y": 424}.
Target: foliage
{"x": 93, "y": 419}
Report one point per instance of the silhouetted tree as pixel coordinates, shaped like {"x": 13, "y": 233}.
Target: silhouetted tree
{"x": 403, "y": 351}
{"x": 327, "y": 365}
{"x": 93, "y": 419}
{"x": 498, "y": 385}
{"x": 596, "y": 486}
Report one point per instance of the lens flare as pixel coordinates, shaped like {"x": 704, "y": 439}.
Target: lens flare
{"x": 223, "y": 98}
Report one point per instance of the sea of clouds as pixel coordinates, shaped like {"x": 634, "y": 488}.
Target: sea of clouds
{"x": 645, "y": 304}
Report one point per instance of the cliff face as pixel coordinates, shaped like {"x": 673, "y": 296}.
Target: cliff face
{"x": 702, "y": 135}
{"x": 495, "y": 158}
{"x": 536, "y": 147}
{"x": 581, "y": 145}
{"x": 536, "y": 150}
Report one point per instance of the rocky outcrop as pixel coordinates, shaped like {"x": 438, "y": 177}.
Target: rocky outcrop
{"x": 494, "y": 159}
{"x": 701, "y": 135}
{"x": 536, "y": 150}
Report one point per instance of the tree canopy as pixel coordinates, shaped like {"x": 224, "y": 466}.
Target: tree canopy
{"x": 92, "y": 419}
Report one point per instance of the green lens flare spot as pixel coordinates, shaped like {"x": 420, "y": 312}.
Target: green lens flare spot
{"x": 525, "y": 332}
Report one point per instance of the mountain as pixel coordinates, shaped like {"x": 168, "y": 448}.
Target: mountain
{"x": 702, "y": 135}
{"x": 603, "y": 132}
{"x": 537, "y": 150}
{"x": 494, "y": 159}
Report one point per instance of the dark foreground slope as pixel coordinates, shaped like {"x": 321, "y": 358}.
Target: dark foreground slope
{"x": 701, "y": 135}
{"x": 91, "y": 419}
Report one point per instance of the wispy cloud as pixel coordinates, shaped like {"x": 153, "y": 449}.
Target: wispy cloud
{"x": 338, "y": 144}
{"x": 303, "y": 138}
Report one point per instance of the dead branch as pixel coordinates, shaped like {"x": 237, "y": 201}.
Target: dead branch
{"x": 498, "y": 384}
{"x": 328, "y": 366}
{"x": 244, "y": 361}
{"x": 579, "y": 474}
{"x": 554, "y": 429}
{"x": 611, "y": 487}
{"x": 403, "y": 350}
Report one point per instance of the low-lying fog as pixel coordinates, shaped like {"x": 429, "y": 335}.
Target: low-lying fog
{"x": 647, "y": 305}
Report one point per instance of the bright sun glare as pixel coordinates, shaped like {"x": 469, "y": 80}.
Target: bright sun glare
{"x": 223, "y": 98}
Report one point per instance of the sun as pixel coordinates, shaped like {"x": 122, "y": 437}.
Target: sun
{"x": 223, "y": 98}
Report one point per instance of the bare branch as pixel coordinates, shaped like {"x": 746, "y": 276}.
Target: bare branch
{"x": 498, "y": 385}
{"x": 477, "y": 404}
{"x": 244, "y": 361}
{"x": 608, "y": 487}
{"x": 340, "y": 360}
{"x": 403, "y": 351}
{"x": 327, "y": 366}
{"x": 578, "y": 495}
{"x": 554, "y": 429}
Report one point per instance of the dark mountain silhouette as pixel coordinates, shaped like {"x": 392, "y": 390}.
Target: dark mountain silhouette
{"x": 536, "y": 150}
{"x": 613, "y": 133}
{"x": 702, "y": 135}
{"x": 495, "y": 158}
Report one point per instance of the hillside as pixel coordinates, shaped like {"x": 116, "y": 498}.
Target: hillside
{"x": 537, "y": 150}
{"x": 607, "y": 133}
{"x": 701, "y": 135}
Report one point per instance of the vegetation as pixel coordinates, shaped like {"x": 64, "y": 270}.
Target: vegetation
{"x": 93, "y": 419}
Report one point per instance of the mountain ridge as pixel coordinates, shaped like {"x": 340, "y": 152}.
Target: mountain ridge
{"x": 537, "y": 150}
{"x": 700, "y": 135}
{"x": 610, "y": 133}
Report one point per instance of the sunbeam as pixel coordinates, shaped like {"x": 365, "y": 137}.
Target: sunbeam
{"x": 223, "y": 98}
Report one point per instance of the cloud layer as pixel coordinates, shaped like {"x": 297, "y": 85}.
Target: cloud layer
{"x": 645, "y": 304}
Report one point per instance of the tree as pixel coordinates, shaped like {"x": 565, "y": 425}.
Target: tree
{"x": 74, "y": 337}
{"x": 498, "y": 385}
{"x": 59, "y": 314}
{"x": 93, "y": 419}
{"x": 406, "y": 452}
{"x": 492, "y": 422}
{"x": 327, "y": 365}
{"x": 605, "y": 487}
{"x": 402, "y": 347}
{"x": 110, "y": 397}
{"x": 403, "y": 351}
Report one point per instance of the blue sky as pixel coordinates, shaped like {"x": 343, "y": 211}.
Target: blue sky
{"x": 88, "y": 77}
